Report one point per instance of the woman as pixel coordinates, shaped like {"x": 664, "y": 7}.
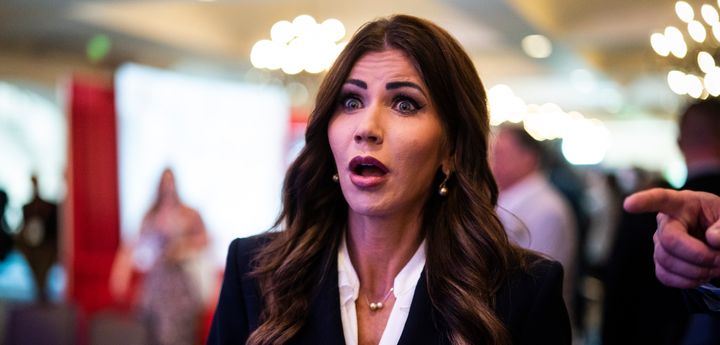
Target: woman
{"x": 390, "y": 234}
{"x": 170, "y": 251}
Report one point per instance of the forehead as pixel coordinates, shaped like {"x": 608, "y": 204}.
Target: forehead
{"x": 386, "y": 64}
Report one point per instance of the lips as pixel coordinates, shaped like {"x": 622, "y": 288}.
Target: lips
{"x": 367, "y": 166}
{"x": 367, "y": 171}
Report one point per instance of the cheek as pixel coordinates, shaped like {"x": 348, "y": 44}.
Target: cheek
{"x": 335, "y": 138}
{"x": 421, "y": 154}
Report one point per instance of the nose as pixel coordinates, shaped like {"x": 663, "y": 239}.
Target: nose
{"x": 369, "y": 128}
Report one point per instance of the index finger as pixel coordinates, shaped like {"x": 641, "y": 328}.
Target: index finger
{"x": 655, "y": 200}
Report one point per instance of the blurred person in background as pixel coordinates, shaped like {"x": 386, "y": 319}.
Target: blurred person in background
{"x": 578, "y": 188}
{"x": 631, "y": 311}
{"x": 632, "y": 290}
{"x": 389, "y": 234}
{"x": 699, "y": 142}
{"x": 37, "y": 239}
{"x": 6, "y": 240}
{"x": 535, "y": 214}
{"x": 170, "y": 251}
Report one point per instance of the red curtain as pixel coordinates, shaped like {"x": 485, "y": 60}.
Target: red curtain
{"x": 92, "y": 215}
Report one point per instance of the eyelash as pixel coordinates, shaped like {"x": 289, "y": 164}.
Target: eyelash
{"x": 347, "y": 97}
{"x": 397, "y": 100}
{"x": 403, "y": 98}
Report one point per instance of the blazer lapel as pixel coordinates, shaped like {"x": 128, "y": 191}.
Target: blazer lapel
{"x": 420, "y": 327}
{"x": 324, "y": 323}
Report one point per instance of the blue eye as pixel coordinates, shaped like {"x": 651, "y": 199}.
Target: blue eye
{"x": 350, "y": 103}
{"x": 406, "y": 105}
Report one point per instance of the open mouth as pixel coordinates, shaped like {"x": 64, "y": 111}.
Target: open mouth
{"x": 367, "y": 166}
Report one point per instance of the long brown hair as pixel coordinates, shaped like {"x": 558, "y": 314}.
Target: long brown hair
{"x": 462, "y": 229}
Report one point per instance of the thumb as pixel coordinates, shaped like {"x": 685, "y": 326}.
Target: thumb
{"x": 712, "y": 235}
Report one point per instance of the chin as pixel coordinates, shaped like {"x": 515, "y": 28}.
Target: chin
{"x": 367, "y": 209}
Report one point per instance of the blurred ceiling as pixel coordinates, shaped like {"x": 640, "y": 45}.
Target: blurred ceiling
{"x": 601, "y": 65}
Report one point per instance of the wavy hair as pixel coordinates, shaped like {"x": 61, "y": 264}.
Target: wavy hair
{"x": 462, "y": 229}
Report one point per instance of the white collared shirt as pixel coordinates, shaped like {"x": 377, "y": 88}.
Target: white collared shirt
{"x": 403, "y": 290}
{"x": 536, "y": 216}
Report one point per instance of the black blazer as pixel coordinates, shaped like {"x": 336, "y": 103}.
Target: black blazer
{"x": 707, "y": 182}
{"x": 530, "y": 305}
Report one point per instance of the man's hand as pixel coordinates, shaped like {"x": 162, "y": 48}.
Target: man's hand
{"x": 681, "y": 259}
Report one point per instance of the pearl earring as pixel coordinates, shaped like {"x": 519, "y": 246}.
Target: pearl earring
{"x": 443, "y": 190}
{"x": 336, "y": 178}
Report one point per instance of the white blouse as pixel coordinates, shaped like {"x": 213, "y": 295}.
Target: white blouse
{"x": 403, "y": 290}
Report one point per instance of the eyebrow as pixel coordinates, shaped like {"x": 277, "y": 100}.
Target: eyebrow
{"x": 359, "y": 83}
{"x": 400, "y": 84}
{"x": 389, "y": 86}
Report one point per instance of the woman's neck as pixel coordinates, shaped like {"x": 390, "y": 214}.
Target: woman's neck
{"x": 379, "y": 248}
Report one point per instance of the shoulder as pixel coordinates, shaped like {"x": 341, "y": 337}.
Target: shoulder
{"x": 530, "y": 303}
{"x": 239, "y": 303}
{"x": 243, "y": 250}
{"x": 538, "y": 272}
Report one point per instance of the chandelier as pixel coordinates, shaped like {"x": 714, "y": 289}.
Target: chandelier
{"x": 691, "y": 50}
{"x": 300, "y": 45}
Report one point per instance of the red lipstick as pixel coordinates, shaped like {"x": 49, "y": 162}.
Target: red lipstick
{"x": 367, "y": 172}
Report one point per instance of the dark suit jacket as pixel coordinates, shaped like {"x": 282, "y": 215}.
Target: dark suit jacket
{"x": 530, "y": 305}
{"x": 707, "y": 182}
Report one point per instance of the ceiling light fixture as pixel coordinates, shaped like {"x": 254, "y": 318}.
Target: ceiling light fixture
{"x": 584, "y": 140}
{"x": 537, "y": 46}
{"x": 300, "y": 45}
{"x": 692, "y": 54}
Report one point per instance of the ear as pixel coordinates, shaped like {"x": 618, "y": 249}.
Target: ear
{"x": 447, "y": 165}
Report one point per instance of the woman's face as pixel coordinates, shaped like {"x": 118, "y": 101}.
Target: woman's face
{"x": 167, "y": 186}
{"x": 386, "y": 136}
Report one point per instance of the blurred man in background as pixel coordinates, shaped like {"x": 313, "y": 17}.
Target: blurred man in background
{"x": 38, "y": 238}
{"x": 699, "y": 141}
{"x": 6, "y": 241}
{"x": 534, "y": 213}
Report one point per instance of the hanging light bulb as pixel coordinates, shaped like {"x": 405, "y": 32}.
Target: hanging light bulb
{"x": 694, "y": 85}
{"x": 300, "y": 45}
{"x": 697, "y": 31}
{"x": 684, "y": 11}
{"x": 660, "y": 44}
{"x": 705, "y": 61}
{"x": 677, "y": 44}
{"x": 712, "y": 82}
{"x": 676, "y": 82}
{"x": 709, "y": 14}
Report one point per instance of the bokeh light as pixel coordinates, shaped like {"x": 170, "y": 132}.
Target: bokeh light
{"x": 300, "y": 45}
{"x": 98, "y": 48}
{"x": 537, "y": 46}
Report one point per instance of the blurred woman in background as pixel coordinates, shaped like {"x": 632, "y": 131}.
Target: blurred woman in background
{"x": 170, "y": 251}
